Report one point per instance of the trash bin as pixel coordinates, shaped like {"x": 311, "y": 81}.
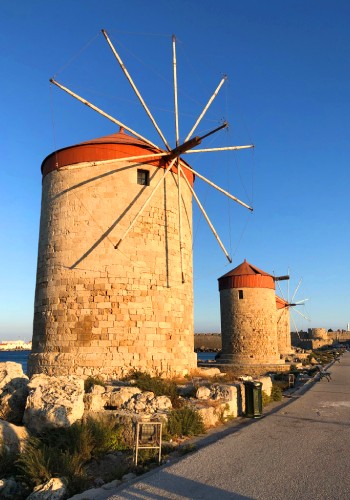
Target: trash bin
{"x": 253, "y": 399}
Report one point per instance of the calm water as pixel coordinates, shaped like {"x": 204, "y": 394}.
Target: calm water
{"x": 206, "y": 356}
{"x": 22, "y": 357}
{"x": 16, "y": 357}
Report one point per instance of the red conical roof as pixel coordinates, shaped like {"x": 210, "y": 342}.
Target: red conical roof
{"x": 246, "y": 276}
{"x": 110, "y": 147}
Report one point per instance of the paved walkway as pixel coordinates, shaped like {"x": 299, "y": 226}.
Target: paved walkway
{"x": 300, "y": 451}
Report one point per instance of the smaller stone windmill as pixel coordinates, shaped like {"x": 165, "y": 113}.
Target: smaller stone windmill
{"x": 284, "y": 307}
{"x": 248, "y": 316}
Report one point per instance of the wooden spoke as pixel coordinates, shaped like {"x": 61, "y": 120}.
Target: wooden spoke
{"x": 212, "y": 150}
{"x": 297, "y": 288}
{"x": 95, "y": 108}
{"x": 175, "y": 93}
{"x": 206, "y": 217}
{"x": 125, "y": 71}
{"x": 206, "y": 108}
{"x": 217, "y": 187}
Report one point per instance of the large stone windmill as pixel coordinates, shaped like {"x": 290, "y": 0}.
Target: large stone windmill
{"x": 114, "y": 285}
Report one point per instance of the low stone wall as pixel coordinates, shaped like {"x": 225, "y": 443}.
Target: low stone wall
{"x": 207, "y": 341}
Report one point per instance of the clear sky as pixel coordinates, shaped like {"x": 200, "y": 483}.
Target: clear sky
{"x": 288, "y": 92}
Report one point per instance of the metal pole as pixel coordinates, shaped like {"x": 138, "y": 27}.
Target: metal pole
{"x": 125, "y": 71}
{"x": 206, "y": 108}
{"x": 207, "y": 218}
{"x": 146, "y": 202}
{"x": 114, "y": 120}
{"x": 217, "y": 187}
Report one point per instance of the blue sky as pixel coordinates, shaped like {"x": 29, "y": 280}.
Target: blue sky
{"x": 288, "y": 67}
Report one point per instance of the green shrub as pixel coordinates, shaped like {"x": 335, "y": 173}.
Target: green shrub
{"x": 185, "y": 422}
{"x": 7, "y": 461}
{"x": 65, "y": 452}
{"x": 276, "y": 393}
{"x": 91, "y": 381}
{"x": 265, "y": 398}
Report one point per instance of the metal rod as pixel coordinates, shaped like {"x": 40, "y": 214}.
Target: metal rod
{"x": 227, "y": 148}
{"x": 125, "y": 71}
{"x": 114, "y": 120}
{"x": 206, "y": 107}
{"x": 146, "y": 202}
{"x": 206, "y": 217}
{"x": 175, "y": 93}
{"x": 217, "y": 187}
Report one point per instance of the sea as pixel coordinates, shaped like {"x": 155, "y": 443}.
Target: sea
{"x": 16, "y": 357}
{"x": 22, "y": 357}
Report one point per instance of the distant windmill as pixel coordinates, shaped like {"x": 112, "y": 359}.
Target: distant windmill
{"x": 286, "y": 307}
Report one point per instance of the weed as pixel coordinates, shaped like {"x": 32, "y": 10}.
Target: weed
{"x": 91, "y": 381}
{"x": 185, "y": 422}
{"x": 7, "y": 461}
{"x": 276, "y": 393}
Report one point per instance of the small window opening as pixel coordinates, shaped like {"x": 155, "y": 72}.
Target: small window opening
{"x": 240, "y": 294}
{"x": 143, "y": 177}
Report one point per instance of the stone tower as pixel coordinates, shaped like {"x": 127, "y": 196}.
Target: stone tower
{"x": 102, "y": 310}
{"x": 284, "y": 338}
{"x": 248, "y": 316}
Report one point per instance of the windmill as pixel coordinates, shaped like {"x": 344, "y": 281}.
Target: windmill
{"x": 286, "y": 306}
{"x": 114, "y": 282}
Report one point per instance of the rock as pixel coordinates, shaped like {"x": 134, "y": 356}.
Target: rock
{"x": 230, "y": 395}
{"x": 203, "y": 393}
{"x": 12, "y": 436}
{"x": 96, "y": 399}
{"x": 54, "y": 489}
{"x": 119, "y": 397}
{"x": 162, "y": 403}
{"x": 266, "y": 384}
{"x": 10, "y": 489}
{"x": 208, "y": 372}
{"x": 13, "y": 392}
{"x": 129, "y": 476}
{"x": 53, "y": 402}
{"x": 209, "y": 415}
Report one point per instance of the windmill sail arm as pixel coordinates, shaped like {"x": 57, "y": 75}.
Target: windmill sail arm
{"x": 226, "y": 148}
{"x": 217, "y": 187}
{"x": 130, "y": 80}
{"x": 206, "y": 217}
{"x": 206, "y": 107}
{"x": 95, "y": 108}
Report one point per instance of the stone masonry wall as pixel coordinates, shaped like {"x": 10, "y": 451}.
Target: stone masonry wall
{"x": 248, "y": 326}
{"x": 284, "y": 338}
{"x": 102, "y": 311}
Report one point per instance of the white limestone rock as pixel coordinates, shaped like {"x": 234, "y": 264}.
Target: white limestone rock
{"x": 54, "y": 489}
{"x": 13, "y": 392}
{"x": 96, "y": 399}
{"x": 12, "y": 436}
{"x": 266, "y": 384}
{"x": 203, "y": 392}
{"x": 53, "y": 402}
{"x": 117, "y": 398}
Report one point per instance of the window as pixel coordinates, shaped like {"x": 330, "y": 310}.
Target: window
{"x": 240, "y": 294}
{"x": 143, "y": 177}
